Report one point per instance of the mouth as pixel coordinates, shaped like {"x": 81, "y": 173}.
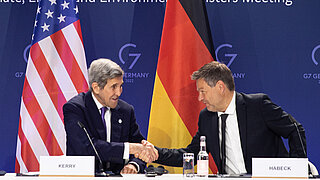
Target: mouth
{"x": 115, "y": 98}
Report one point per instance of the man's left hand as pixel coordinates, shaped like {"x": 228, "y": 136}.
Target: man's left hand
{"x": 129, "y": 169}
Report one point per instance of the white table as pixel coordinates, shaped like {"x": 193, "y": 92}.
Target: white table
{"x": 12, "y": 176}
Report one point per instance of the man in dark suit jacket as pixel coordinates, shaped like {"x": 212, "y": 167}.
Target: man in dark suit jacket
{"x": 255, "y": 126}
{"x": 115, "y": 132}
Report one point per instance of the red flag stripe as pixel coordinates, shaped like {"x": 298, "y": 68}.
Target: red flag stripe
{"x": 76, "y": 46}
{"x": 40, "y": 121}
{"x": 78, "y": 29}
{"x": 47, "y": 78}
{"x": 17, "y": 164}
{"x": 187, "y": 48}
{"x": 69, "y": 60}
{"x": 27, "y": 154}
{"x": 57, "y": 68}
{"x": 31, "y": 132}
{"x": 47, "y": 106}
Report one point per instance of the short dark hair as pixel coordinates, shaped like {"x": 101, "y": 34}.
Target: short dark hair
{"x": 213, "y": 72}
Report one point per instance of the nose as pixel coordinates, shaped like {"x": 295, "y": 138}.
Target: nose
{"x": 118, "y": 91}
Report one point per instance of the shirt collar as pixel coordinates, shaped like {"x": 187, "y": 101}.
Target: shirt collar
{"x": 98, "y": 104}
{"x": 231, "y": 109}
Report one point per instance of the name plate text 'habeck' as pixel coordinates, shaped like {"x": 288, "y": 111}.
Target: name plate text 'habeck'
{"x": 67, "y": 166}
{"x": 280, "y": 167}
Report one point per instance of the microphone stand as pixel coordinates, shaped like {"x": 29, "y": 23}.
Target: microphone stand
{"x": 101, "y": 172}
{"x": 301, "y": 142}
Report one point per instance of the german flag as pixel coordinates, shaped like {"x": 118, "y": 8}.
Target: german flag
{"x": 186, "y": 45}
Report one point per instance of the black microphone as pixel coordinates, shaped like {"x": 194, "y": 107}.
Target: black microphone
{"x": 300, "y": 139}
{"x": 301, "y": 143}
{"x": 101, "y": 172}
{"x": 299, "y": 135}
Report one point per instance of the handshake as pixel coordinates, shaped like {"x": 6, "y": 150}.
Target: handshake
{"x": 144, "y": 151}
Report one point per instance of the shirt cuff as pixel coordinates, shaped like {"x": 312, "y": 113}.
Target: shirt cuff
{"x": 135, "y": 164}
{"x": 126, "y": 150}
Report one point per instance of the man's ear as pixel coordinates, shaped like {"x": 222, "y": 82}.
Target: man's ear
{"x": 95, "y": 87}
{"x": 221, "y": 86}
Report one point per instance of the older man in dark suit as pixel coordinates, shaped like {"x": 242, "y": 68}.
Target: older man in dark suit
{"x": 254, "y": 125}
{"x": 110, "y": 122}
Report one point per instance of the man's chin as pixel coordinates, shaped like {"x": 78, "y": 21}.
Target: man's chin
{"x": 211, "y": 109}
{"x": 114, "y": 104}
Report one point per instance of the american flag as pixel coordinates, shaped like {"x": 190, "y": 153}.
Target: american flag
{"x": 56, "y": 71}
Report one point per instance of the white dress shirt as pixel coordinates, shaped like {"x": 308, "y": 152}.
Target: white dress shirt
{"x": 234, "y": 156}
{"x": 107, "y": 117}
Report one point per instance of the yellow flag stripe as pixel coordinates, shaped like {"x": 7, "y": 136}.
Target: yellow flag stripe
{"x": 166, "y": 128}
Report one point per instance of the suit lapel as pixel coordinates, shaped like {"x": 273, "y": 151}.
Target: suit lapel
{"x": 242, "y": 122}
{"x": 95, "y": 116}
{"x": 116, "y": 124}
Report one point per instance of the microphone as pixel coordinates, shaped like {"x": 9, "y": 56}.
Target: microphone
{"x": 299, "y": 135}
{"x": 300, "y": 139}
{"x": 101, "y": 172}
{"x": 301, "y": 143}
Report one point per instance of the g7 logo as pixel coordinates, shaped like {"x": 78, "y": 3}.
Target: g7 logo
{"x": 312, "y": 55}
{"x": 233, "y": 56}
{"x": 136, "y": 55}
{"x": 26, "y": 52}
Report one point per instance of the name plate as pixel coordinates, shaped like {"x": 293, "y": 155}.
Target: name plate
{"x": 280, "y": 167}
{"x": 78, "y": 166}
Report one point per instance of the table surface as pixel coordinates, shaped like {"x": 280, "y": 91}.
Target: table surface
{"x": 131, "y": 177}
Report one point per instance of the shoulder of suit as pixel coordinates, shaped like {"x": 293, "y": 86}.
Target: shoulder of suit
{"x": 205, "y": 112}
{"x": 77, "y": 101}
{"x": 78, "y": 98}
{"x": 124, "y": 104}
{"x": 252, "y": 96}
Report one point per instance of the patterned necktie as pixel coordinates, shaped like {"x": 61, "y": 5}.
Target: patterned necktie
{"x": 223, "y": 143}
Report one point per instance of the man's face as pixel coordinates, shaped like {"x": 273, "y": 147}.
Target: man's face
{"x": 109, "y": 95}
{"x": 210, "y": 96}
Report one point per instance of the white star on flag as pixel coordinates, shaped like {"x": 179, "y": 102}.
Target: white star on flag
{"x": 76, "y": 9}
{"x": 45, "y": 27}
{"x": 65, "y": 5}
{"x": 49, "y": 14}
{"x": 61, "y": 18}
{"x": 38, "y": 10}
{"x": 53, "y": 2}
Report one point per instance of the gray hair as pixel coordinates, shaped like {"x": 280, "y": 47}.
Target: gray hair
{"x": 213, "y": 72}
{"x": 102, "y": 70}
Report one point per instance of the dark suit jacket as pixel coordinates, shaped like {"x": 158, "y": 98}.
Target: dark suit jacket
{"x": 261, "y": 125}
{"x": 83, "y": 108}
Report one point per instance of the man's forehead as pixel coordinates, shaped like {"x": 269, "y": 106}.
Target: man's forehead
{"x": 200, "y": 82}
{"x": 199, "y": 86}
{"x": 115, "y": 80}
